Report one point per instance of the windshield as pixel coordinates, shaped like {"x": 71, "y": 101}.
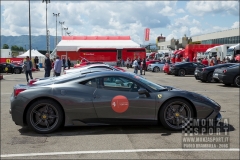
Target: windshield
{"x": 206, "y": 54}
{"x": 230, "y": 52}
{"x": 150, "y": 84}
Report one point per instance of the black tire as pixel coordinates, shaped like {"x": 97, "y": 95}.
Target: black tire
{"x": 202, "y": 80}
{"x": 181, "y": 72}
{"x": 156, "y": 69}
{"x": 227, "y": 84}
{"x": 172, "y": 110}
{"x": 237, "y": 81}
{"x": 17, "y": 71}
{"x": 44, "y": 113}
{"x": 210, "y": 77}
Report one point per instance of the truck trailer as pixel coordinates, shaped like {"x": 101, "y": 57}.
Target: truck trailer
{"x": 218, "y": 51}
{"x": 233, "y": 51}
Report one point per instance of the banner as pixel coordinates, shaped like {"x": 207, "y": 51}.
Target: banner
{"x": 146, "y": 34}
{"x": 11, "y": 60}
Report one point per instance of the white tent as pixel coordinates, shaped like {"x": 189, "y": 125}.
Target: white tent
{"x": 34, "y": 53}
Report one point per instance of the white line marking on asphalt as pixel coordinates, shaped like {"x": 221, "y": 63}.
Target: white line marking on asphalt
{"x": 117, "y": 151}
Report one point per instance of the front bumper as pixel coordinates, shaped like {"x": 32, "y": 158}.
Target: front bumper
{"x": 215, "y": 76}
{"x": 149, "y": 68}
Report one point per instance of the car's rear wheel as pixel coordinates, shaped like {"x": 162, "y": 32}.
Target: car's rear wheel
{"x": 181, "y": 72}
{"x": 44, "y": 116}
{"x": 17, "y": 71}
{"x": 174, "y": 113}
{"x": 210, "y": 77}
{"x": 237, "y": 81}
{"x": 156, "y": 69}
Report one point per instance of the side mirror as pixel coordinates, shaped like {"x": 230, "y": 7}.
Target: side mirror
{"x": 142, "y": 91}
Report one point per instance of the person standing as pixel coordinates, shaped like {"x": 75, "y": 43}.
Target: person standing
{"x": 69, "y": 62}
{"x": 57, "y": 67}
{"x": 135, "y": 65}
{"x": 28, "y": 68}
{"x": 144, "y": 65}
{"x": 64, "y": 63}
{"x": 139, "y": 65}
{"x": 48, "y": 66}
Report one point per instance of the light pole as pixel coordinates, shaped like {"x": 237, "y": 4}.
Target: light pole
{"x": 30, "y": 53}
{"x": 57, "y": 15}
{"x": 49, "y": 47}
{"x": 65, "y": 30}
{"x": 61, "y": 26}
{"x": 47, "y": 1}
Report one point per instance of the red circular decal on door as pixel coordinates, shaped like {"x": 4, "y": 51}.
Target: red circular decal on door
{"x": 119, "y": 104}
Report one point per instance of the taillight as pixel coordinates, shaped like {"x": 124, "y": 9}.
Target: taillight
{"x": 17, "y": 91}
{"x": 224, "y": 71}
{"x": 31, "y": 82}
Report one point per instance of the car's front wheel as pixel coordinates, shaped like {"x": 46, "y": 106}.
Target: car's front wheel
{"x": 17, "y": 71}
{"x": 181, "y": 72}
{"x": 174, "y": 113}
{"x": 156, "y": 69}
{"x": 44, "y": 116}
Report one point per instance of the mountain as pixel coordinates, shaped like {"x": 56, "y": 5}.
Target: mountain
{"x": 38, "y": 42}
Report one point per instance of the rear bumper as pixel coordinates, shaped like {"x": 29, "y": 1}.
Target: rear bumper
{"x": 17, "y": 110}
{"x": 225, "y": 79}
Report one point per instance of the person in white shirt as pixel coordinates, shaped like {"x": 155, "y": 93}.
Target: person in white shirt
{"x": 135, "y": 65}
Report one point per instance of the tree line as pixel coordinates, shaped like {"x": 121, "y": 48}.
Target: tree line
{"x": 13, "y": 48}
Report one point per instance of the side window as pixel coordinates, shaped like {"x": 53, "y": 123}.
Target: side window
{"x": 118, "y": 84}
{"x": 90, "y": 83}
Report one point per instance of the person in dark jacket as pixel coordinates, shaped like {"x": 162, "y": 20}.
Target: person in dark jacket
{"x": 28, "y": 68}
{"x": 69, "y": 62}
{"x": 144, "y": 65}
{"x": 64, "y": 63}
{"x": 48, "y": 66}
{"x": 36, "y": 61}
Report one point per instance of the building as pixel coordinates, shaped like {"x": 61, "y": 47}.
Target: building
{"x": 230, "y": 36}
{"x": 106, "y": 49}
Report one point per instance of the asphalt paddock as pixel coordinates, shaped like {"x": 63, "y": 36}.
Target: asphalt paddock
{"x": 117, "y": 142}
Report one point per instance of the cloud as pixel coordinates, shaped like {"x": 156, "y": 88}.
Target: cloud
{"x": 235, "y": 25}
{"x": 200, "y": 8}
{"x": 180, "y": 10}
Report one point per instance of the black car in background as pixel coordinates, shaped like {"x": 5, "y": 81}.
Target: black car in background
{"x": 186, "y": 68}
{"x": 230, "y": 75}
{"x": 206, "y": 73}
{"x": 10, "y": 68}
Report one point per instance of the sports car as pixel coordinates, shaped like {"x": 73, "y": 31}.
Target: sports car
{"x": 107, "y": 98}
{"x": 90, "y": 66}
{"x": 10, "y": 68}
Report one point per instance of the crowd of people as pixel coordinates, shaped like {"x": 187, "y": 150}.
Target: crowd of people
{"x": 55, "y": 65}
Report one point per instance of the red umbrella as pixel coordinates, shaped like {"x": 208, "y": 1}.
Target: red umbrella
{"x": 237, "y": 58}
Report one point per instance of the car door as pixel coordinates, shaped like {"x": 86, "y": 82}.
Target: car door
{"x": 191, "y": 68}
{"x": 117, "y": 98}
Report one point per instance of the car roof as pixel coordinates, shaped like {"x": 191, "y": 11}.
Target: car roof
{"x": 109, "y": 73}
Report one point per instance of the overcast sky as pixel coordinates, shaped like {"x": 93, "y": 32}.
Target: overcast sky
{"x": 170, "y": 18}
